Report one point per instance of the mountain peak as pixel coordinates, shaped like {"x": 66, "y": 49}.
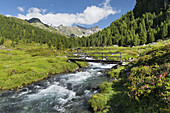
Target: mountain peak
{"x": 77, "y": 31}
{"x": 80, "y": 27}
{"x": 34, "y": 20}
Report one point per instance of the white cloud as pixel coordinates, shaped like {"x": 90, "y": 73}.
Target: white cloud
{"x": 8, "y": 15}
{"x": 20, "y": 9}
{"x": 89, "y": 16}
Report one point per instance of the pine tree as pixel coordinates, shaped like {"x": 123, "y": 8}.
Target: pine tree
{"x": 17, "y": 40}
{"x": 142, "y": 34}
{"x": 50, "y": 44}
{"x": 151, "y": 37}
{"x": 147, "y": 20}
{"x": 110, "y": 41}
{"x": 164, "y": 30}
{"x": 2, "y": 41}
{"x": 59, "y": 44}
{"x": 13, "y": 44}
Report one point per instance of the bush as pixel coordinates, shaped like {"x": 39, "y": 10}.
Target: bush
{"x": 149, "y": 81}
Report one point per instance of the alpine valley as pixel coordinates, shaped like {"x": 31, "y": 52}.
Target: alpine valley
{"x": 37, "y": 73}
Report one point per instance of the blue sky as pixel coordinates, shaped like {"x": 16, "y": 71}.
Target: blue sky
{"x": 86, "y": 13}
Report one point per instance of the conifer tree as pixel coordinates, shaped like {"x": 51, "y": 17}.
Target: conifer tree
{"x": 50, "y": 44}
{"x": 151, "y": 37}
{"x": 2, "y": 41}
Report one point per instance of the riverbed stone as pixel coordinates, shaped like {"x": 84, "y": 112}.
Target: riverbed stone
{"x": 69, "y": 86}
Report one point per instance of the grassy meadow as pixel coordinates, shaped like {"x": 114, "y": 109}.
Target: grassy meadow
{"x": 27, "y": 63}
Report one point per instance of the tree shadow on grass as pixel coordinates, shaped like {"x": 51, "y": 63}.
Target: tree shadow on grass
{"x": 119, "y": 100}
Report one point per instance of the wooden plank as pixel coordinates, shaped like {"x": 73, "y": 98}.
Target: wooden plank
{"x": 95, "y": 56}
{"x": 98, "y": 53}
{"x": 84, "y": 55}
{"x": 100, "y": 61}
{"x": 104, "y": 53}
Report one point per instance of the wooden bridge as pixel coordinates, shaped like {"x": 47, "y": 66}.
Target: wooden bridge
{"x": 90, "y": 57}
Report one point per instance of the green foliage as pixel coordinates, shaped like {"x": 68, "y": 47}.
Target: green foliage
{"x": 141, "y": 87}
{"x": 149, "y": 79}
{"x": 49, "y": 44}
{"x": 114, "y": 73}
{"x": 16, "y": 30}
{"x": 126, "y": 31}
{"x": 100, "y": 100}
{"x": 13, "y": 44}
{"x": 130, "y": 31}
{"x": 156, "y": 6}
{"x": 2, "y": 41}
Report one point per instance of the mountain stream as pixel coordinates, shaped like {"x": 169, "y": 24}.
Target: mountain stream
{"x": 62, "y": 93}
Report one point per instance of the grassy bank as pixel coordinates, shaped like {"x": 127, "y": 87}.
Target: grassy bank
{"x": 142, "y": 86}
{"x": 24, "y": 64}
{"x": 126, "y": 52}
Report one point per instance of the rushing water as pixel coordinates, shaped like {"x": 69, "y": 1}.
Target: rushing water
{"x": 65, "y": 93}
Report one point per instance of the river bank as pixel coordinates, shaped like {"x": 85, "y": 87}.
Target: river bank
{"x": 26, "y": 64}
{"x": 61, "y": 93}
{"x": 141, "y": 86}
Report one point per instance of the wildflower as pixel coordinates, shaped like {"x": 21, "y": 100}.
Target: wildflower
{"x": 145, "y": 86}
{"x": 141, "y": 87}
{"x": 152, "y": 84}
{"x": 160, "y": 76}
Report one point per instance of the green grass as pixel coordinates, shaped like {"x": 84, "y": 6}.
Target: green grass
{"x": 24, "y": 64}
{"x": 127, "y": 52}
{"x": 27, "y": 63}
{"x": 140, "y": 87}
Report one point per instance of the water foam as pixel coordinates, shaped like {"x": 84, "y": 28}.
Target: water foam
{"x": 54, "y": 91}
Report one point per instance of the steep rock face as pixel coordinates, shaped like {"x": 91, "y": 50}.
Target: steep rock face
{"x": 143, "y": 6}
{"x": 77, "y": 31}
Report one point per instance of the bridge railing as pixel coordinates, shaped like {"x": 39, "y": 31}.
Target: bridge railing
{"x": 103, "y": 55}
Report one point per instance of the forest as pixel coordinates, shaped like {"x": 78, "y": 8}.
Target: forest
{"x": 129, "y": 30}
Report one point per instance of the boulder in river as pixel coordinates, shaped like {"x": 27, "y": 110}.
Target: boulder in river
{"x": 95, "y": 88}
{"x": 69, "y": 86}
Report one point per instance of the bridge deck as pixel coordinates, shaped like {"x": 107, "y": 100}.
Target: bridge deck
{"x": 82, "y": 57}
{"x": 97, "y": 61}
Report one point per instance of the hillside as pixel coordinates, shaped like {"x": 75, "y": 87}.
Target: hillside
{"x": 156, "y": 6}
{"x": 142, "y": 86}
{"x": 20, "y": 31}
{"x": 37, "y": 23}
{"x": 132, "y": 29}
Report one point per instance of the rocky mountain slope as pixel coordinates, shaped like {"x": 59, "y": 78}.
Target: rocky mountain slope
{"x": 37, "y": 23}
{"x": 76, "y": 31}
